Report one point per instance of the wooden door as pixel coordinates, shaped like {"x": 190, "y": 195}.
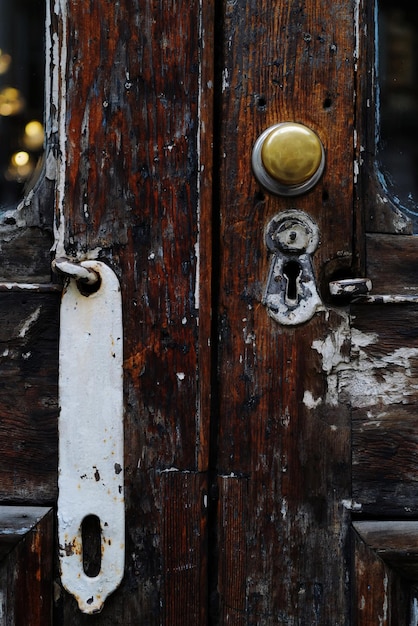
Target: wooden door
{"x": 269, "y": 468}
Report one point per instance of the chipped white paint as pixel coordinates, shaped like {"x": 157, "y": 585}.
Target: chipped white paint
{"x": 351, "y": 505}
{"x": 293, "y": 237}
{"x": 284, "y": 509}
{"x": 29, "y": 322}
{"x": 91, "y": 435}
{"x": 333, "y": 360}
{"x": 356, "y": 170}
{"x": 309, "y": 401}
{"x": 59, "y": 87}
{"x": 197, "y": 257}
{"x": 357, "y": 29}
{"x": 307, "y": 302}
{"x": 361, "y": 377}
{"x": 383, "y": 620}
{"x": 285, "y": 418}
{"x": 180, "y": 375}
{"x": 225, "y": 79}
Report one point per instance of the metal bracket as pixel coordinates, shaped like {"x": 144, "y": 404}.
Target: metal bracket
{"x": 91, "y": 432}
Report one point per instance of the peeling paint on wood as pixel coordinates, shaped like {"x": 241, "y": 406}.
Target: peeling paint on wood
{"x": 385, "y": 442}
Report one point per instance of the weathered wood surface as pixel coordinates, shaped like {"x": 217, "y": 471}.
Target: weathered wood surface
{"x": 395, "y": 542}
{"x": 283, "y": 462}
{"x": 391, "y": 264}
{"x": 28, "y": 396}
{"x": 130, "y": 132}
{"x": 380, "y": 595}
{"x": 132, "y": 190}
{"x": 26, "y": 566}
{"x": 382, "y": 389}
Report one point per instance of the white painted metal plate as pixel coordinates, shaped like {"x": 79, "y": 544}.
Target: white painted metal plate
{"x": 90, "y": 478}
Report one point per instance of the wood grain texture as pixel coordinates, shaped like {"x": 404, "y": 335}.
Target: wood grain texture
{"x": 282, "y": 61}
{"x": 380, "y": 595}
{"x": 26, "y": 575}
{"x": 138, "y": 84}
{"x": 132, "y": 167}
{"x": 28, "y": 396}
{"x": 395, "y": 542}
{"x": 391, "y": 264}
{"x": 224, "y": 395}
{"x": 384, "y": 421}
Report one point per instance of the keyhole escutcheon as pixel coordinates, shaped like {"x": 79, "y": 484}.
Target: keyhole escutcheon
{"x": 291, "y": 295}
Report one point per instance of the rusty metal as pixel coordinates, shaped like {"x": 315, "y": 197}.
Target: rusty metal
{"x": 78, "y": 271}
{"x": 350, "y": 287}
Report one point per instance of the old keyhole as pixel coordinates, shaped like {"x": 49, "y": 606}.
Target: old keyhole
{"x": 292, "y": 270}
{"x": 91, "y": 535}
{"x": 291, "y": 296}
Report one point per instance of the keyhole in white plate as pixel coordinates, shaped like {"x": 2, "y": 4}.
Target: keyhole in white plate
{"x": 292, "y": 270}
{"x": 91, "y": 537}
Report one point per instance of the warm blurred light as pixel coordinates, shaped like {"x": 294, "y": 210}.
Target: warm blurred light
{"x": 5, "y": 60}
{"x": 11, "y": 101}
{"x": 20, "y": 168}
{"x": 20, "y": 158}
{"x": 33, "y": 138}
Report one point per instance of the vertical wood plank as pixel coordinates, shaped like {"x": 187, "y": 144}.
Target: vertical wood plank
{"x": 284, "y": 62}
{"x": 134, "y": 190}
{"x": 233, "y": 526}
{"x": 184, "y": 547}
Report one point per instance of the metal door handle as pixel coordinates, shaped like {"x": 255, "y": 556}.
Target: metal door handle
{"x": 288, "y": 159}
{"x": 90, "y": 478}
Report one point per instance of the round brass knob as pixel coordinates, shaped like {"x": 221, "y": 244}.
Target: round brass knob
{"x": 288, "y": 158}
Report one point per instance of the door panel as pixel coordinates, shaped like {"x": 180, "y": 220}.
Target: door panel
{"x": 130, "y": 123}
{"x": 282, "y": 442}
{"x": 250, "y": 446}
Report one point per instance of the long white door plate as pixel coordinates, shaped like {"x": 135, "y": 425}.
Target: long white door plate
{"x": 90, "y": 478}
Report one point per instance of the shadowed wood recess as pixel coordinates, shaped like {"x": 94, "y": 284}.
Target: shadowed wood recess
{"x": 380, "y": 595}
{"x": 26, "y": 565}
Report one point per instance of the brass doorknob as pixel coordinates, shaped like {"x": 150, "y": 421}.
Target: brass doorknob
{"x": 288, "y": 158}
